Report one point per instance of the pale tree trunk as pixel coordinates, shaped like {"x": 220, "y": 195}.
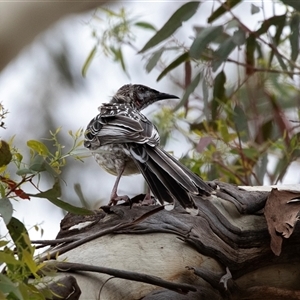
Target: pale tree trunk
{"x": 147, "y": 252}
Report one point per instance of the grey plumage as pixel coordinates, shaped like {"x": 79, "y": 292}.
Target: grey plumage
{"x": 124, "y": 141}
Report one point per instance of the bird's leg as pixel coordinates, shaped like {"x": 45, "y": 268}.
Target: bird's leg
{"x": 148, "y": 200}
{"x": 114, "y": 198}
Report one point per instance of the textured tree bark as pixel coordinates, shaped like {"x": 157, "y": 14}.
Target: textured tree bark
{"x": 223, "y": 253}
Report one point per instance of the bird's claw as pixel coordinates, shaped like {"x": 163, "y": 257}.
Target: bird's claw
{"x": 114, "y": 200}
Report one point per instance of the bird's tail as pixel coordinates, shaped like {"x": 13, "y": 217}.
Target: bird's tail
{"x": 167, "y": 178}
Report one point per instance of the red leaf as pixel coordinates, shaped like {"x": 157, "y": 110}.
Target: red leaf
{"x": 12, "y": 184}
{"x": 20, "y": 193}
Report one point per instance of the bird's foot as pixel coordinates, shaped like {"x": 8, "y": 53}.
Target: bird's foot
{"x": 114, "y": 200}
{"x": 143, "y": 200}
{"x": 148, "y": 200}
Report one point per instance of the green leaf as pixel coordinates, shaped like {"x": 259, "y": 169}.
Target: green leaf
{"x": 88, "y": 61}
{"x": 5, "y": 154}
{"x": 239, "y": 37}
{"x": 152, "y": 62}
{"x": 250, "y": 49}
{"x": 7, "y": 287}
{"x": 53, "y": 194}
{"x": 218, "y": 93}
{"x": 261, "y": 168}
{"x": 280, "y": 23}
{"x": 275, "y": 20}
{"x": 206, "y": 36}
{"x": 184, "y": 13}
{"x": 25, "y": 171}
{"x": 38, "y": 164}
{"x": 293, "y": 3}
{"x": 38, "y": 147}
{"x": 205, "y": 92}
{"x": 79, "y": 193}
{"x": 118, "y": 56}
{"x": 8, "y": 257}
{"x": 294, "y": 36}
{"x": 221, "y": 38}
{"x": 145, "y": 25}
{"x": 190, "y": 89}
{"x": 266, "y": 131}
{"x": 223, "y": 52}
{"x": 229, "y": 4}
{"x": 6, "y": 210}
{"x": 281, "y": 62}
{"x": 241, "y": 123}
{"x": 254, "y": 9}
{"x": 179, "y": 60}
{"x": 19, "y": 235}
{"x": 233, "y": 24}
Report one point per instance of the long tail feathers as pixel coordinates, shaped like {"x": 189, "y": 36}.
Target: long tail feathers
{"x": 168, "y": 179}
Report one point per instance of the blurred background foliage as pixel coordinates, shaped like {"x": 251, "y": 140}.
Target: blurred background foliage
{"x": 239, "y": 110}
{"x": 233, "y": 126}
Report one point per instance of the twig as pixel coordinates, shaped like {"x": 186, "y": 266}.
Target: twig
{"x": 134, "y": 276}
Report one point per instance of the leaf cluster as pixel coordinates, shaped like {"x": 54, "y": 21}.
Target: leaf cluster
{"x": 20, "y": 271}
{"x": 238, "y": 123}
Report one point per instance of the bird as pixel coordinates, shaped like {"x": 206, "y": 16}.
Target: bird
{"x": 123, "y": 141}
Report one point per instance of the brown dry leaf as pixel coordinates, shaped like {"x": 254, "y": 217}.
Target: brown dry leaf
{"x": 281, "y": 212}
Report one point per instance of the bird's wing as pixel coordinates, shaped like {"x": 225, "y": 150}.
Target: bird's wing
{"x": 119, "y": 124}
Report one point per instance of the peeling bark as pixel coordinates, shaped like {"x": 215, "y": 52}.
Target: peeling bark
{"x": 223, "y": 252}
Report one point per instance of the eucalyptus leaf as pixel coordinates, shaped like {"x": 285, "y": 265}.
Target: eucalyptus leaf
{"x": 25, "y": 171}
{"x": 241, "y": 123}
{"x": 178, "y": 61}
{"x": 152, "y": 62}
{"x": 266, "y": 24}
{"x": 38, "y": 147}
{"x": 19, "y": 235}
{"x": 88, "y": 61}
{"x": 184, "y": 13}
{"x": 37, "y": 164}
{"x": 145, "y": 25}
{"x": 206, "y": 36}
{"x": 6, "y": 210}
{"x": 190, "y": 89}
{"x": 294, "y": 36}
{"x": 223, "y": 53}
{"x": 250, "y": 50}
{"x": 205, "y": 92}
{"x": 219, "y": 39}
{"x": 222, "y": 10}
{"x": 254, "y": 9}
{"x": 5, "y": 154}
{"x": 53, "y": 195}
{"x": 239, "y": 37}
{"x": 218, "y": 93}
{"x": 9, "y": 287}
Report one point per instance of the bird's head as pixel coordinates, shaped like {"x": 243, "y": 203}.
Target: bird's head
{"x": 139, "y": 96}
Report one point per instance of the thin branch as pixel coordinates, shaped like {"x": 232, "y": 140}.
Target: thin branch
{"x": 273, "y": 47}
{"x": 134, "y": 276}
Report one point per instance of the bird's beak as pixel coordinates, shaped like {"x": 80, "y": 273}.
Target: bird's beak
{"x": 163, "y": 96}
